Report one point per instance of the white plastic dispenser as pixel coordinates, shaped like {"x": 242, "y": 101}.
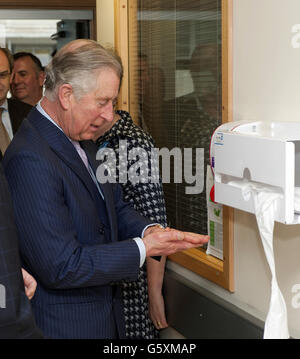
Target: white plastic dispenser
{"x": 266, "y": 153}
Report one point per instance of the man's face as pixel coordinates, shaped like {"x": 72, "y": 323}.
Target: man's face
{"x": 94, "y": 112}
{"x": 4, "y": 77}
{"x": 27, "y": 83}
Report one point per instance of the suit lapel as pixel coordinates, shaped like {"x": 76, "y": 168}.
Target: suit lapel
{"x": 63, "y": 148}
{"x": 90, "y": 149}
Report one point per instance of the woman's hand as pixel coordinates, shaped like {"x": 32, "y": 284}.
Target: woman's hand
{"x": 157, "y": 310}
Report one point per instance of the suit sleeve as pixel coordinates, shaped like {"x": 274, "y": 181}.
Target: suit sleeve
{"x": 48, "y": 239}
{"x": 16, "y": 318}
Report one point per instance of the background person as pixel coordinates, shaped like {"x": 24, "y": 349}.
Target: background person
{"x": 147, "y": 199}
{"x": 28, "y": 78}
{"x": 12, "y": 111}
{"x": 196, "y": 114}
{"x": 151, "y": 100}
{"x": 16, "y": 317}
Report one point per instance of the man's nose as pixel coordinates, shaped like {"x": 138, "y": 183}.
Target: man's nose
{"x": 108, "y": 111}
{"x": 15, "y": 78}
{"x": 12, "y": 76}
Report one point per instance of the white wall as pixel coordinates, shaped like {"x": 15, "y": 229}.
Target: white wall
{"x": 266, "y": 66}
{"x": 266, "y": 87}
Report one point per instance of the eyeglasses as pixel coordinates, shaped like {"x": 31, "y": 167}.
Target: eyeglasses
{"x": 4, "y": 75}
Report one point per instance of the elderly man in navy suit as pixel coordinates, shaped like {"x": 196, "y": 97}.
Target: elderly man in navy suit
{"x": 77, "y": 236}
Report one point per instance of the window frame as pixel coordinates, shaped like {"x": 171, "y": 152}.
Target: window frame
{"x": 220, "y": 272}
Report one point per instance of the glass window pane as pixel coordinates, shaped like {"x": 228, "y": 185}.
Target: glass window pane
{"x": 180, "y": 95}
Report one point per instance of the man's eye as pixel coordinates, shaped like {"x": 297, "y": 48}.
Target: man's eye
{"x": 104, "y": 103}
{"x": 4, "y": 75}
{"x": 21, "y": 73}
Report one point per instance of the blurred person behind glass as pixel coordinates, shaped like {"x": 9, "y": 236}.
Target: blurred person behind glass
{"x": 195, "y": 116}
{"x": 151, "y": 99}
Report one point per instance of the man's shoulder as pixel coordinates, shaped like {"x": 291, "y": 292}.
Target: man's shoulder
{"x": 12, "y": 102}
{"x": 26, "y": 140}
{"x": 18, "y": 111}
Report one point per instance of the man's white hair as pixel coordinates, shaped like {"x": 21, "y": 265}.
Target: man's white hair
{"x": 77, "y": 64}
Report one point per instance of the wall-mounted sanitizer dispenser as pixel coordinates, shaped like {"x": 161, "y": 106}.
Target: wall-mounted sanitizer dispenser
{"x": 266, "y": 153}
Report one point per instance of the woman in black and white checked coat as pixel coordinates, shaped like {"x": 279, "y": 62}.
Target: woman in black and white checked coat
{"x": 143, "y": 300}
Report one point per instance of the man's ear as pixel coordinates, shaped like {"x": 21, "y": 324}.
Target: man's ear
{"x": 65, "y": 93}
{"x": 41, "y": 78}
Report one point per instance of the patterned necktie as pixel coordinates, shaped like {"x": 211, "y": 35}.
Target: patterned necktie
{"x": 4, "y": 138}
{"x": 84, "y": 158}
{"x": 81, "y": 153}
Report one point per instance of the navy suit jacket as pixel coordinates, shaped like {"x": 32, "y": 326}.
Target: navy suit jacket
{"x": 75, "y": 244}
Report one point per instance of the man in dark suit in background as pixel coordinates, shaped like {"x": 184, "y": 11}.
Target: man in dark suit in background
{"x": 12, "y": 111}
{"x": 77, "y": 236}
{"x": 16, "y": 317}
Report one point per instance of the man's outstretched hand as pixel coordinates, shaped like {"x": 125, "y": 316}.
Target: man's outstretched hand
{"x": 160, "y": 242}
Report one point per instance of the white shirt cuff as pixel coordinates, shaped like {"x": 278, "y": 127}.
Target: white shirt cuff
{"x": 142, "y": 250}
{"x": 150, "y": 225}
